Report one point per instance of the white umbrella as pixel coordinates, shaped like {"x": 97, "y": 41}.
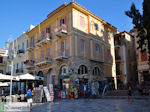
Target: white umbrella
{"x": 4, "y": 84}
{"x": 7, "y": 77}
{"x": 28, "y": 76}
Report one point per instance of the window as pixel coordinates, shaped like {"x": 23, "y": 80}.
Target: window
{"x": 82, "y": 45}
{"x": 23, "y": 46}
{"x": 32, "y": 41}
{"x": 96, "y": 26}
{"x": 14, "y": 68}
{"x": 21, "y": 67}
{"x": 1, "y": 59}
{"x": 144, "y": 56}
{"x": 96, "y": 71}
{"x": 108, "y": 54}
{"x": 26, "y": 43}
{"x": 97, "y": 48}
{"x": 48, "y": 30}
{"x": 48, "y": 53}
{"x": 18, "y": 47}
{"x": 64, "y": 70}
{"x": 42, "y": 55}
{"x": 106, "y": 35}
{"x": 82, "y": 21}
{"x": 82, "y": 70}
{"x": 17, "y": 66}
{"x": 63, "y": 47}
{"x": 42, "y": 34}
{"x": 62, "y": 21}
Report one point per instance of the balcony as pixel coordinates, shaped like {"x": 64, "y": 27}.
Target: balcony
{"x": 61, "y": 31}
{"x": 44, "y": 40}
{"x": 20, "y": 52}
{"x": 119, "y": 43}
{"x": 29, "y": 64}
{"x": 118, "y": 58}
{"x": 43, "y": 62}
{"x": 3, "y": 63}
{"x": 61, "y": 55}
{"x": 19, "y": 71}
{"x": 30, "y": 48}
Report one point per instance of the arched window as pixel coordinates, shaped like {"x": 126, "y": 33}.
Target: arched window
{"x": 64, "y": 70}
{"x": 40, "y": 73}
{"x": 82, "y": 70}
{"x": 96, "y": 71}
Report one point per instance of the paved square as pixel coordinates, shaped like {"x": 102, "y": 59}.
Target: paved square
{"x": 94, "y": 105}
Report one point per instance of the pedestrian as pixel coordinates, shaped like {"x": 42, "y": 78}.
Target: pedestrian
{"x": 130, "y": 93}
{"x": 84, "y": 88}
{"x": 29, "y": 98}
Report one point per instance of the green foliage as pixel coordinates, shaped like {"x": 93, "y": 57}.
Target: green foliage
{"x": 141, "y": 25}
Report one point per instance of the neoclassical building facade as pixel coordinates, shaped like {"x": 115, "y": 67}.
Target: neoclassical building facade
{"x": 72, "y": 43}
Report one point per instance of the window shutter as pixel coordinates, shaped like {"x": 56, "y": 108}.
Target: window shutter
{"x": 144, "y": 56}
{"x": 82, "y": 21}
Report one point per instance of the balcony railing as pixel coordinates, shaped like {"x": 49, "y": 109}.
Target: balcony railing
{"x": 60, "y": 55}
{"x": 45, "y": 61}
{"x": 61, "y": 31}
{"x": 19, "y": 71}
{"x": 44, "y": 40}
{"x": 29, "y": 64}
{"x": 31, "y": 47}
{"x": 20, "y": 52}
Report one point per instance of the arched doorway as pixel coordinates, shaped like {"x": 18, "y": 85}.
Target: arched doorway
{"x": 63, "y": 76}
{"x": 51, "y": 77}
{"x": 40, "y": 82}
{"x": 83, "y": 78}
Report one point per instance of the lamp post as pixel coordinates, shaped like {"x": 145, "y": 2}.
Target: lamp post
{"x": 12, "y": 54}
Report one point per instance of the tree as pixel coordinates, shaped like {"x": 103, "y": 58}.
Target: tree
{"x": 141, "y": 25}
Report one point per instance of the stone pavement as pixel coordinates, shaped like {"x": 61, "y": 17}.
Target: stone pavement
{"x": 94, "y": 105}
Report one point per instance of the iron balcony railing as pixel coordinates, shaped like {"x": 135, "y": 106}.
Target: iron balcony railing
{"x": 44, "y": 61}
{"x": 61, "y": 31}
{"x": 44, "y": 40}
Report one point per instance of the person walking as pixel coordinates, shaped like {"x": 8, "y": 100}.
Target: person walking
{"x": 130, "y": 93}
{"x": 29, "y": 98}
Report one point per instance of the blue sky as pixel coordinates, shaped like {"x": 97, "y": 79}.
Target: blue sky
{"x": 17, "y": 15}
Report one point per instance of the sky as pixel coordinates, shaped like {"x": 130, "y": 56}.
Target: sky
{"x": 17, "y": 15}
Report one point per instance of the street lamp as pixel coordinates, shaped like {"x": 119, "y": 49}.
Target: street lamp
{"x": 12, "y": 54}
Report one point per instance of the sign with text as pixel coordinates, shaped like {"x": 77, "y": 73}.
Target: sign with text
{"x": 47, "y": 94}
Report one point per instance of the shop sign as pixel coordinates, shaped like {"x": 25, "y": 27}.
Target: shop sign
{"x": 47, "y": 93}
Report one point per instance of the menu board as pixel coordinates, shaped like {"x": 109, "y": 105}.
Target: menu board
{"x": 47, "y": 94}
{"x": 37, "y": 98}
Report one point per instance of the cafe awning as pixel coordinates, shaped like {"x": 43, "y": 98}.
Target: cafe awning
{"x": 28, "y": 76}
{"x": 4, "y": 77}
{"x": 4, "y": 84}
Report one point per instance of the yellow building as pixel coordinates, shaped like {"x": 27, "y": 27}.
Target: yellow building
{"x": 72, "y": 41}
